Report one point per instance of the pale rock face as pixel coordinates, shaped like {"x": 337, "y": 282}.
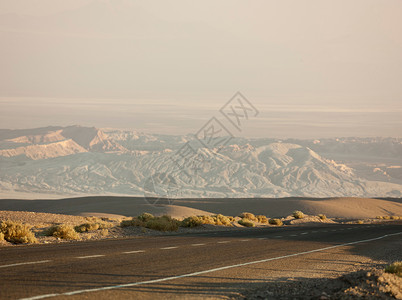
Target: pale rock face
{"x": 83, "y": 160}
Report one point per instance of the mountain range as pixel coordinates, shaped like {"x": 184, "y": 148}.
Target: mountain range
{"x": 76, "y": 160}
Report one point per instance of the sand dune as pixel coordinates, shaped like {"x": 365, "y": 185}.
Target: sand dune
{"x": 271, "y": 207}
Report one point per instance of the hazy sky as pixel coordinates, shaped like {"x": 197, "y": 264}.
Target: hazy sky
{"x": 312, "y": 68}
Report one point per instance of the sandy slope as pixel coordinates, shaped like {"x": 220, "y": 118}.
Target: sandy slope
{"x": 271, "y": 207}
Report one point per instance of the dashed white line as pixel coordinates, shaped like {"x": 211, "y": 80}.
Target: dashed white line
{"x": 90, "y": 256}
{"x": 304, "y": 233}
{"x": 223, "y": 242}
{"x": 167, "y": 248}
{"x": 25, "y": 263}
{"x": 135, "y": 251}
{"x": 197, "y": 245}
{"x": 293, "y": 235}
{"x": 244, "y": 240}
{"x": 263, "y": 238}
{"x": 111, "y": 287}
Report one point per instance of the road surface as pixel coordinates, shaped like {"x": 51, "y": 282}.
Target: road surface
{"x": 199, "y": 265}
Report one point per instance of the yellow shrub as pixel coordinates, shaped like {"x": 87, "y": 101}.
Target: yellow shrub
{"x": 65, "y": 232}
{"x": 249, "y": 216}
{"x": 246, "y": 222}
{"x": 277, "y": 222}
{"x": 262, "y": 219}
{"x": 17, "y": 232}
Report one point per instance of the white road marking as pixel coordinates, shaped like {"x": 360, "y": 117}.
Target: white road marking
{"x": 304, "y": 233}
{"x": 244, "y": 240}
{"x": 197, "y": 245}
{"x": 293, "y": 235}
{"x": 90, "y": 256}
{"x": 223, "y": 242}
{"x": 333, "y": 230}
{"x": 207, "y": 271}
{"x": 25, "y": 263}
{"x": 111, "y": 287}
{"x": 135, "y": 251}
{"x": 278, "y": 236}
{"x": 167, "y": 248}
{"x": 262, "y": 238}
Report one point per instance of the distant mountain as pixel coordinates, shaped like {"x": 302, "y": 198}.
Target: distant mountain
{"x": 83, "y": 160}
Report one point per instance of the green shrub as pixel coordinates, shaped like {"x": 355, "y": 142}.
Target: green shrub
{"x": 395, "y": 268}
{"x": 262, "y": 219}
{"x": 246, "y": 222}
{"x": 298, "y": 214}
{"x": 322, "y": 217}
{"x": 249, "y": 216}
{"x": 63, "y": 231}
{"x": 17, "y": 233}
{"x": 276, "y": 222}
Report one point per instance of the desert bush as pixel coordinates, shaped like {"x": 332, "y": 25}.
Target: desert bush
{"x": 133, "y": 222}
{"x": 222, "y": 220}
{"x": 249, "y": 216}
{"x": 246, "y": 222}
{"x": 192, "y": 221}
{"x": 1, "y": 236}
{"x": 66, "y": 232}
{"x": 262, "y": 219}
{"x": 395, "y": 268}
{"x": 18, "y": 233}
{"x": 87, "y": 227}
{"x": 394, "y": 217}
{"x": 163, "y": 223}
{"x": 276, "y": 222}
{"x": 145, "y": 217}
{"x": 386, "y": 217}
{"x": 322, "y": 217}
{"x": 207, "y": 220}
{"x": 379, "y": 217}
{"x": 360, "y": 222}
{"x": 298, "y": 214}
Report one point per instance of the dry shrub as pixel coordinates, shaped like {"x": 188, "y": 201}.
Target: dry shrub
{"x": 379, "y": 217}
{"x": 1, "y": 236}
{"x": 395, "y": 268}
{"x": 322, "y": 217}
{"x": 17, "y": 233}
{"x": 249, "y": 216}
{"x": 163, "y": 223}
{"x": 145, "y": 217}
{"x": 297, "y": 214}
{"x": 207, "y": 220}
{"x": 63, "y": 231}
{"x": 262, "y": 219}
{"x": 360, "y": 222}
{"x": 133, "y": 222}
{"x": 386, "y": 217}
{"x": 222, "y": 220}
{"x": 394, "y": 217}
{"x": 276, "y": 222}
{"x": 246, "y": 222}
{"x": 192, "y": 221}
{"x": 87, "y": 227}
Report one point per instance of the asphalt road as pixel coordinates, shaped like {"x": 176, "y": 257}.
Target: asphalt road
{"x": 198, "y": 265}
